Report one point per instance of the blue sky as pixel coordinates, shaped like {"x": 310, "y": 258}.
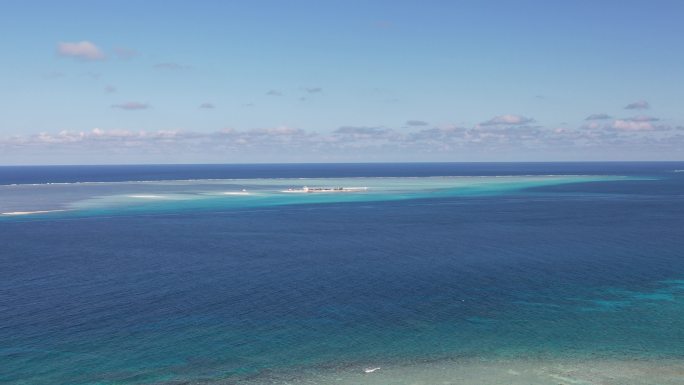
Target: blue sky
{"x": 324, "y": 81}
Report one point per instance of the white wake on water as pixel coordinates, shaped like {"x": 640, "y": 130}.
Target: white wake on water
{"x": 16, "y": 213}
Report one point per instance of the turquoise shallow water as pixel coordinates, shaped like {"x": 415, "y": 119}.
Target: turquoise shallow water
{"x": 276, "y": 287}
{"x": 117, "y": 198}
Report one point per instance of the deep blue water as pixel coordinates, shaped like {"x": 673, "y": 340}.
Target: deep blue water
{"x": 582, "y": 269}
{"x": 117, "y": 173}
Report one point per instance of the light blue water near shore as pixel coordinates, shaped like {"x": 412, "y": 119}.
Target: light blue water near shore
{"x": 37, "y": 201}
{"x": 200, "y": 291}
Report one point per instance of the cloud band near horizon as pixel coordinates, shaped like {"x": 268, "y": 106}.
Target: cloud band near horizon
{"x": 506, "y": 134}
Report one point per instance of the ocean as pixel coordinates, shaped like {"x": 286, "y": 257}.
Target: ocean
{"x": 421, "y": 273}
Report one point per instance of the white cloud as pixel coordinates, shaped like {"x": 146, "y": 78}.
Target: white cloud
{"x": 281, "y": 130}
{"x": 593, "y": 125}
{"x": 508, "y": 119}
{"x": 631, "y": 125}
{"x": 83, "y": 50}
{"x": 367, "y": 131}
{"x": 642, "y": 118}
{"x": 598, "y": 117}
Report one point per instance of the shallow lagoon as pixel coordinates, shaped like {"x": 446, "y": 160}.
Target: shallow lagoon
{"x": 111, "y": 198}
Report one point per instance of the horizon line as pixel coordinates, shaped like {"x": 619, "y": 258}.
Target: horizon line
{"x": 337, "y": 163}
